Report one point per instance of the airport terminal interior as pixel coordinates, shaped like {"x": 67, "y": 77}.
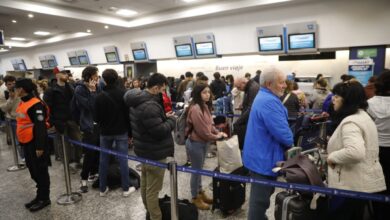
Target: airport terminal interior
{"x": 316, "y": 45}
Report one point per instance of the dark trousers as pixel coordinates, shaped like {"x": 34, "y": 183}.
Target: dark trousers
{"x": 349, "y": 209}
{"x": 91, "y": 157}
{"x": 39, "y": 172}
{"x": 259, "y": 200}
{"x": 382, "y": 210}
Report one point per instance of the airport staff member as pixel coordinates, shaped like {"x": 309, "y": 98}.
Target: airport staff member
{"x": 31, "y": 118}
{"x": 267, "y": 137}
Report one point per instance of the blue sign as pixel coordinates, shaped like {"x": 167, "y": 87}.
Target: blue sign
{"x": 270, "y": 43}
{"x": 139, "y": 54}
{"x": 301, "y": 41}
{"x": 362, "y": 70}
{"x": 204, "y": 48}
{"x": 184, "y": 50}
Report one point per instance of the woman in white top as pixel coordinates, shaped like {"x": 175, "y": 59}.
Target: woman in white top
{"x": 379, "y": 110}
{"x": 353, "y": 149}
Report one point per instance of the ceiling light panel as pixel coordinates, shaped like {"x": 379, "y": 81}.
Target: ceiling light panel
{"x": 30, "y": 15}
{"x": 18, "y": 38}
{"x": 42, "y": 33}
{"x": 126, "y": 12}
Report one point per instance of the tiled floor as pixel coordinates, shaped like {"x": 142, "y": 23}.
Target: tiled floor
{"x": 16, "y": 188}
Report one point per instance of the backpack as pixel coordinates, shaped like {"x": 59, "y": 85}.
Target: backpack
{"x": 74, "y": 110}
{"x": 186, "y": 210}
{"x": 180, "y": 128}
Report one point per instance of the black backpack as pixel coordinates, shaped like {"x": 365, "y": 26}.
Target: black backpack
{"x": 187, "y": 210}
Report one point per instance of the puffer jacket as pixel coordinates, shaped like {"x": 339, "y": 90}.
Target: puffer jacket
{"x": 354, "y": 149}
{"x": 379, "y": 110}
{"x": 85, "y": 102}
{"x": 151, "y": 129}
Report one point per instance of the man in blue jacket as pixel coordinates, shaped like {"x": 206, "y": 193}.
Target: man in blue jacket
{"x": 267, "y": 137}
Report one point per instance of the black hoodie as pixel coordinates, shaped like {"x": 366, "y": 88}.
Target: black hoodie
{"x": 151, "y": 129}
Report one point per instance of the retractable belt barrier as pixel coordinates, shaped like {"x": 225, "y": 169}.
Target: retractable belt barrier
{"x": 291, "y": 186}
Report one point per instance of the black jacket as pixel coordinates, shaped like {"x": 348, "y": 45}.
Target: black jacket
{"x": 251, "y": 90}
{"x": 218, "y": 88}
{"x": 58, "y": 99}
{"x": 111, "y": 113}
{"x": 85, "y": 101}
{"x": 151, "y": 129}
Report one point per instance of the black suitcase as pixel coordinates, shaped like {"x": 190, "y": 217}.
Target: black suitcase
{"x": 292, "y": 206}
{"x": 186, "y": 210}
{"x": 228, "y": 196}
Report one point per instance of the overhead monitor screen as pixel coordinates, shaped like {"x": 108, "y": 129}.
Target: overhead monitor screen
{"x": 301, "y": 41}
{"x": 1, "y": 37}
{"x": 83, "y": 60}
{"x": 22, "y": 66}
{"x": 139, "y": 54}
{"x": 15, "y": 66}
{"x": 204, "y": 48}
{"x": 44, "y": 64}
{"x": 74, "y": 61}
{"x": 183, "y": 50}
{"x": 111, "y": 57}
{"x": 270, "y": 43}
{"x": 52, "y": 63}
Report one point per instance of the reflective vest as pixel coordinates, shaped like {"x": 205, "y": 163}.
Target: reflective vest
{"x": 24, "y": 125}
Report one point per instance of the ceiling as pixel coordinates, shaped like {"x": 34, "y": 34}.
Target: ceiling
{"x": 69, "y": 19}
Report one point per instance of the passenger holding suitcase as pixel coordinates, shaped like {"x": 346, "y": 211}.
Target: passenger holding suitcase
{"x": 353, "y": 150}
{"x": 267, "y": 137}
{"x": 200, "y": 131}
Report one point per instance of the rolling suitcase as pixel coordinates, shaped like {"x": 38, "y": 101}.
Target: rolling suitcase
{"x": 292, "y": 206}
{"x": 228, "y": 196}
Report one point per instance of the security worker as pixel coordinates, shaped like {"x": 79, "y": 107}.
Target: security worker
{"x": 31, "y": 118}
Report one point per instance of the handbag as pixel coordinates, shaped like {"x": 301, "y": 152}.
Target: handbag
{"x": 229, "y": 155}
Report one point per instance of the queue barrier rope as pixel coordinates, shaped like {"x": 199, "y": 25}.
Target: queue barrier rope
{"x": 244, "y": 179}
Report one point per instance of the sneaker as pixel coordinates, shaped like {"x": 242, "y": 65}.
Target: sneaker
{"x": 129, "y": 191}
{"x": 84, "y": 186}
{"x": 103, "y": 194}
{"x": 93, "y": 178}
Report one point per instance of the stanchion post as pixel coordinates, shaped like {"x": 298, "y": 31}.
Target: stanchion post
{"x": 173, "y": 181}
{"x": 70, "y": 197}
{"x": 16, "y": 166}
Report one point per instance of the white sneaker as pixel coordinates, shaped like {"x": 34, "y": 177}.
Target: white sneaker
{"x": 103, "y": 194}
{"x": 128, "y": 192}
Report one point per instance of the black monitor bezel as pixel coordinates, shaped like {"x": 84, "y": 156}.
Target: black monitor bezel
{"x": 116, "y": 57}
{"x": 74, "y": 64}
{"x": 212, "y": 47}
{"x": 191, "y": 49}
{"x": 146, "y": 56}
{"x": 305, "y": 48}
{"x": 281, "y": 40}
{"x": 86, "y": 58}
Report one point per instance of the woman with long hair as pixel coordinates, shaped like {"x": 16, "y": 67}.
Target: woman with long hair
{"x": 353, "y": 150}
{"x": 200, "y": 131}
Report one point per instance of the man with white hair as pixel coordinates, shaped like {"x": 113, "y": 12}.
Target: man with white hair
{"x": 267, "y": 137}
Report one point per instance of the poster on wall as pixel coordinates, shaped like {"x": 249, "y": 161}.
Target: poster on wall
{"x": 362, "y": 69}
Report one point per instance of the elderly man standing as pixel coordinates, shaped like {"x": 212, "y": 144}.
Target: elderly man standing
{"x": 267, "y": 137}
{"x": 250, "y": 88}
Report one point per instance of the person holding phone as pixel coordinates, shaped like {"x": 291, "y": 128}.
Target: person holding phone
{"x": 200, "y": 131}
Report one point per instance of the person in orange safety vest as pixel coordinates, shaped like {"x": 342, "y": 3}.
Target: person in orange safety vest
{"x": 31, "y": 124}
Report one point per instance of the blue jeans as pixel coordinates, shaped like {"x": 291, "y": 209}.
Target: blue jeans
{"x": 121, "y": 146}
{"x": 259, "y": 199}
{"x": 197, "y": 152}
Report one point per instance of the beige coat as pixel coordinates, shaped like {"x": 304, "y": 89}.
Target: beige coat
{"x": 354, "y": 148}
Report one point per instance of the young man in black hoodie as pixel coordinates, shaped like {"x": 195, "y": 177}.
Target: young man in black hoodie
{"x": 152, "y": 135}
{"x": 112, "y": 116}
{"x": 217, "y": 86}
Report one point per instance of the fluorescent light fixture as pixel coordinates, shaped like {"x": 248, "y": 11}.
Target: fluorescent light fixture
{"x": 126, "y": 12}
{"x": 42, "y": 33}
{"x": 3, "y": 50}
{"x": 88, "y": 30}
{"x": 189, "y": 1}
{"x": 106, "y": 26}
{"x": 14, "y": 21}
{"x": 18, "y": 38}
{"x": 30, "y": 15}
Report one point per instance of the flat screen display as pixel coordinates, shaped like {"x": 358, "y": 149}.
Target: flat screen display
{"x": 44, "y": 64}
{"x": 270, "y": 43}
{"x": 15, "y": 66}
{"x": 1, "y": 37}
{"x": 184, "y": 50}
{"x": 83, "y": 60}
{"x": 52, "y": 63}
{"x": 204, "y": 48}
{"x": 74, "y": 61}
{"x": 22, "y": 66}
{"x": 301, "y": 41}
{"x": 139, "y": 54}
{"x": 111, "y": 57}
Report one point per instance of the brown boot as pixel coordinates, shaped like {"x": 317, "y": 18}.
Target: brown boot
{"x": 205, "y": 198}
{"x": 198, "y": 202}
